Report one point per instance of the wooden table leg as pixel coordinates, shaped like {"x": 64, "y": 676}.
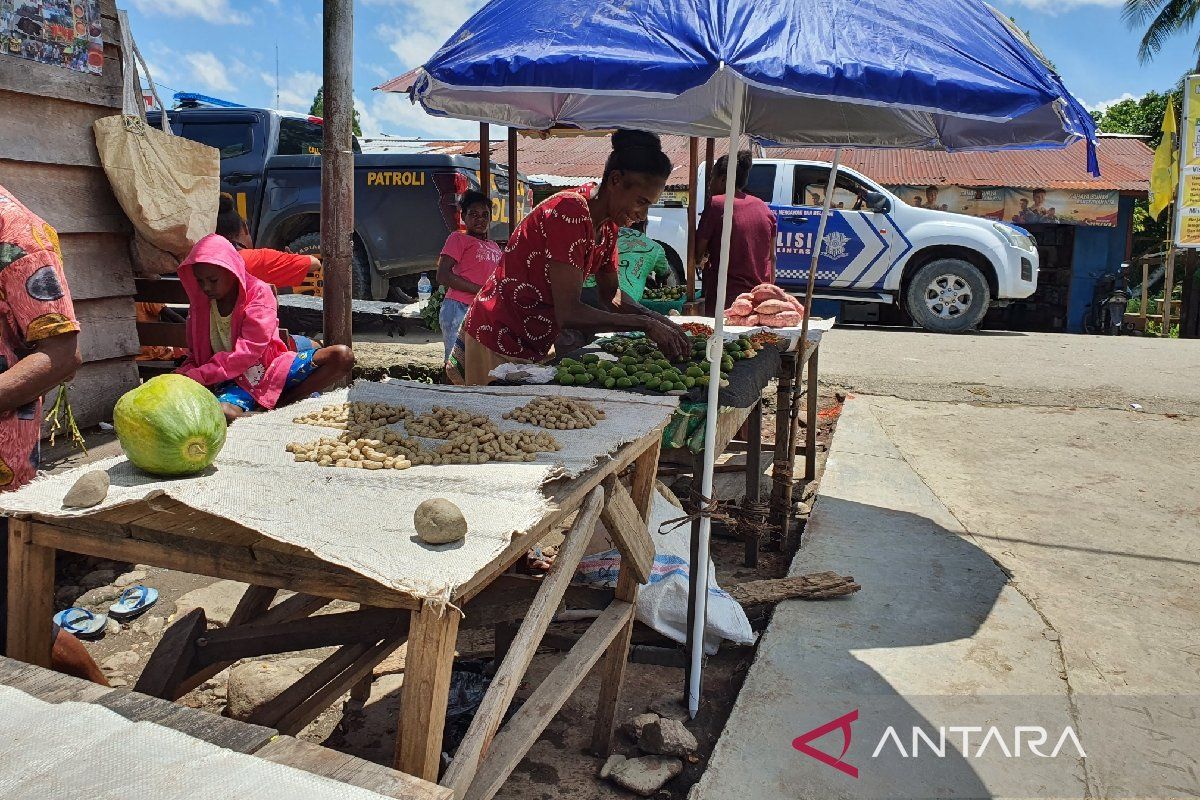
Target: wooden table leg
{"x": 784, "y": 445}
{"x": 810, "y": 434}
{"x": 612, "y": 671}
{"x": 30, "y": 595}
{"x": 753, "y": 475}
{"x": 426, "y": 692}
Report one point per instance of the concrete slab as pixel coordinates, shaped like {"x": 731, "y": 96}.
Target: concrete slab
{"x": 935, "y": 628}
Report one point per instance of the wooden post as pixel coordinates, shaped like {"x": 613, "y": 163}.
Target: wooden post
{"x": 30, "y": 587}
{"x": 485, "y": 160}
{"x": 1168, "y": 287}
{"x": 693, "y": 157}
{"x": 1145, "y": 291}
{"x": 337, "y": 171}
{"x": 512, "y": 181}
{"x": 426, "y": 692}
{"x": 710, "y": 146}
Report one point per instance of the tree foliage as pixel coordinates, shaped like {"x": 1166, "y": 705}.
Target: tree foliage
{"x": 1161, "y": 19}
{"x": 318, "y": 110}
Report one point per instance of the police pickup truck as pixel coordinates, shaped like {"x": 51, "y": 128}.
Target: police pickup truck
{"x": 404, "y": 204}
{"x": 943, "y": 269}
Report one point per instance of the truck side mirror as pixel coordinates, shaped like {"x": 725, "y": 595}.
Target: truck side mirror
{"x": 878, "y": 202}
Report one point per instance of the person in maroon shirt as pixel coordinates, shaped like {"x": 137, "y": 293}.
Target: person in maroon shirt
{"x": 752, "y": 245}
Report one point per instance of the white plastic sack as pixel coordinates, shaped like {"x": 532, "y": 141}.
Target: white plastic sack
{"x": 663, "y": 602}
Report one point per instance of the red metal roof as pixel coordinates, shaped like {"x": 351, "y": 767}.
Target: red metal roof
{"x": 1125, "y": 163}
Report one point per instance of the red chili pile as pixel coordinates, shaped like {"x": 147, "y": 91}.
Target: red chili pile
{"x": 697, "y": 329}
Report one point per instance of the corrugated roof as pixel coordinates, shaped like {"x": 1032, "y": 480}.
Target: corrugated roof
{"x": 1125, "y": 163}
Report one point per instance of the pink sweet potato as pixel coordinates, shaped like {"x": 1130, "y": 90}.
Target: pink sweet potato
{"x": 752, "y": 320}
{"x": 787, "y": 319}
{"x": 773, "y": 307}
{"x": 734, "y": 319}
{"x": 749, "y": 298}
{"x": 767, "y": 291}
{"x": 741, "y": 308}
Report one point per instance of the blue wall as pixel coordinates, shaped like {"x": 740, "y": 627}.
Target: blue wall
{"x": 1098, "y": 252}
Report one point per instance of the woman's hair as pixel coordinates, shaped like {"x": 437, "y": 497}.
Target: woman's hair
{"x": 229, "y": 221}
{"x": 637, "y": 151}
{"x": 472, "y": 197}
{"x": 745, "y": 160}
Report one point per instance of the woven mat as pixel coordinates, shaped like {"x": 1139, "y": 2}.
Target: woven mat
{"x": 80, "y": 750}
{"x": 361, "y": 519}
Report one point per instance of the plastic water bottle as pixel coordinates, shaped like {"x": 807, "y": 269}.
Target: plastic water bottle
{"x": 424, "y": 288}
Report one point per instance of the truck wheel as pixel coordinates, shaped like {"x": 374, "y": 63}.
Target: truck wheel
{"x": 948, "y": 296}
{"x": 310, "y": 245}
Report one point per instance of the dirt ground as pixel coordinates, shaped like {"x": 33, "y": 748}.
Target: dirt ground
{"x": 559, "y": 766}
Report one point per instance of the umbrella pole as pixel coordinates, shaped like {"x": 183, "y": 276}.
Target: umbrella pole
{"x": 818, "y": 246}
{"x": 716, "y": 349}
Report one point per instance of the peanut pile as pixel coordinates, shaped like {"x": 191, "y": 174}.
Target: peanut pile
{"x": 562, "y": 413}
{"x": 368, "y": 443}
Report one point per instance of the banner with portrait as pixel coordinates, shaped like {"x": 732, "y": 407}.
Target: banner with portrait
{"x": 63, "y": 33}
{"x": 1018, "y": 206}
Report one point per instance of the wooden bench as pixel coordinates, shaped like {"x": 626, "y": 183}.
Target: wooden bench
{"x": 168, "y": 289}
{"x": 256, "y": 740}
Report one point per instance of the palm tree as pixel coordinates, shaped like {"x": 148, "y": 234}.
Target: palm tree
{"x": 1162, "y": 20}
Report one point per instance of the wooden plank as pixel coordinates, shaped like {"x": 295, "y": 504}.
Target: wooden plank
{"x": 97, "y": 265}
{"x": 536, "y": 713}
{"x": 628, "y": 530}
{"x": 645, "y": 473}
{"x": 96, "y": 388}
{"x": 241, "y": 737}
{"x": 46, "y": 130}
{"x": 30, "y": 584}
{"x": 166, "y": 334}
{"x": 359, "y": 668}
{"x": 72, "y": 199}
{"x": 425, "y": 695}
{"x": 172, "y": 660}
{"x": 348, "y": 769}
{"x": 327, "y": 630}
{"x": 503, "y": 688}
{"x": 159, "y": 290}
{"x": 566, "y": 496}
{"x": 106, "y": 329}
{"x": 31, "y": 78}
{"x": 232, "y": 563}
{"x": 51, "y": 687}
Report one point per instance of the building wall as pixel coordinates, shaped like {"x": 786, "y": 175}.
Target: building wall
{"x": 1098, "y": 252}
{"x": 48, "y": 160}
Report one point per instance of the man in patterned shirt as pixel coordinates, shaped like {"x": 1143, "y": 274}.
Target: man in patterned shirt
{"x": 39, "y": 349}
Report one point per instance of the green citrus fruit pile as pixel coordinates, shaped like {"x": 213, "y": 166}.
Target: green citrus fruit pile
{"x": 641, "y": 365}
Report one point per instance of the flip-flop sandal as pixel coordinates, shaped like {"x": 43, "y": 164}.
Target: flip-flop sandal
{"x": 133, "y": 602}
{"x": 81, "y": 623}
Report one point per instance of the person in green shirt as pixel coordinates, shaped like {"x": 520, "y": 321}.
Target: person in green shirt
{"x": 638, "y": 257}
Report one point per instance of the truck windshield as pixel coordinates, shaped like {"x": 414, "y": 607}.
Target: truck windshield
{"x": 808, "y": 188}
{"x": 232, "y": 139}
{"x": 299, "y": 137}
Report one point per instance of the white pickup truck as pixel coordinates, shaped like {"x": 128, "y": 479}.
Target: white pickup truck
{"x": 944, "y": 269}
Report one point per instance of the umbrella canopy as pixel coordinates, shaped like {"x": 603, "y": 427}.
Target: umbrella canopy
{"x": 940, "y": 74}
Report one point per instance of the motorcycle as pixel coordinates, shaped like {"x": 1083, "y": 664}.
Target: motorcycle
{"x": 1109, "y": 301}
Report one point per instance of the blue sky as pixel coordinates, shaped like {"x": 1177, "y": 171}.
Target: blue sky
{"x": 227, "y": 48}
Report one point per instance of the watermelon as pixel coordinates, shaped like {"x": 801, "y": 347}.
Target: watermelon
{"x": 170, "y": 426}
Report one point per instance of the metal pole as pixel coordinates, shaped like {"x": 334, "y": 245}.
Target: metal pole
{"x": 716, "y": 349}
{"x": 818, "y": 245}
{"x": 337, "y": 171}
{"x": 485, "y": 160}
{"x": 693, "y": 157}
{"x": 710, "y": 155}
{"x": 512, "y": 181}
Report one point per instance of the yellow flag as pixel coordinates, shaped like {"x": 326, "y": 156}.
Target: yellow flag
{"x": 1164, "y": 180}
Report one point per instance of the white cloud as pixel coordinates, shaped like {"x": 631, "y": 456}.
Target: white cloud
{"x": 418, "y": 28}
{"x": 215, "y": 11}
{"x": 209, "y": 71}
{"x": 389, "y": 113}
{"x": 296, "y": 90}
{"x": 1104, "y": 105}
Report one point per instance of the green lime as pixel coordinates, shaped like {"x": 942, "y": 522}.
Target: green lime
{"x": 591, "y": 358}
{"x": 610, "y": 383}
{"x": 565, "y": 378}
{"x": 617, "y": 372}
{"x": 689, "y": 381}
{"x": 584, "y": 378}
{"x": 624, "y": 383}
{"x": 679, "y": 386}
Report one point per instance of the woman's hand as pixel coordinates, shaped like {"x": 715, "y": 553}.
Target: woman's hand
{"x": 670, "y": 338}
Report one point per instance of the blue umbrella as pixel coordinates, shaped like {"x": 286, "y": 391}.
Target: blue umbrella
{"x": 939, "y": 74}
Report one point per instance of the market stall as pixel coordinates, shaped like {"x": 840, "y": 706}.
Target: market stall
{"x": 276, "y": 512}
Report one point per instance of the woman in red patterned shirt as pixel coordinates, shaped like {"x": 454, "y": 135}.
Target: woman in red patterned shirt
{"x": 535, "y": 292}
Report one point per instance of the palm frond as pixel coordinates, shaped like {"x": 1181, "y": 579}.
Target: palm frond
{"x": 1174, "y": 17}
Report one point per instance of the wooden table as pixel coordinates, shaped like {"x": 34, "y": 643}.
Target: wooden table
{"x": 229, "y": 734}
{"x": 168, "y": 534}
{"x": 787, "y": 416}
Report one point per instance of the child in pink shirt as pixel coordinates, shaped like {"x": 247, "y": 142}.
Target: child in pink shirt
{"x": 467, "y": 260}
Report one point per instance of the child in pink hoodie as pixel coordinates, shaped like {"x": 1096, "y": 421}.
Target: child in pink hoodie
{"x": 233, "y": 339}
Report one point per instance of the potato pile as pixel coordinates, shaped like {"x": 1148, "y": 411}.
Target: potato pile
{"x": 562, "y": 413}
{"x": 369, "y": 444}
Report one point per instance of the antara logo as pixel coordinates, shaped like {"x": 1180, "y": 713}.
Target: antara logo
{"x": 974, "y": 740}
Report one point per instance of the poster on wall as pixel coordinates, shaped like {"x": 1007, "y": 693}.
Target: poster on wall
{"x": 1187, "y": 221}
{"x": 1018, "y": 206}
{"x": 64, "y": 33}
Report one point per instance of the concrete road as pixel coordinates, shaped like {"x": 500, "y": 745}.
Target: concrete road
{"x": 1027, "y": 559}
{"x": 1039, "y": 369}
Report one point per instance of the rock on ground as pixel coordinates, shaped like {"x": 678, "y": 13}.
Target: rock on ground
{"x": 635, "y": 727}
{"x": 255, "y": 682}
{"x": 644, "y": 776}
{"x": 120, "y": 662}
{"x": 218, "y": 601}
{"x": 667, "y": 737}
